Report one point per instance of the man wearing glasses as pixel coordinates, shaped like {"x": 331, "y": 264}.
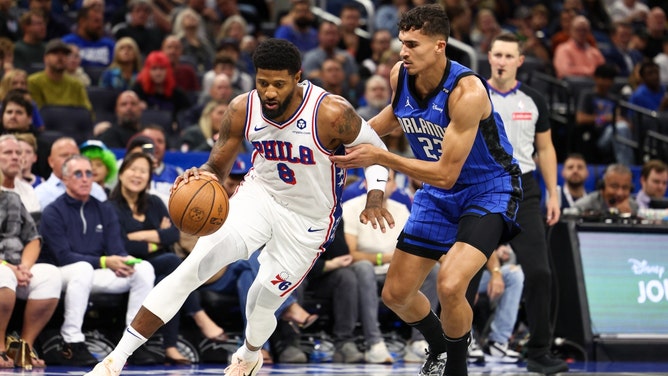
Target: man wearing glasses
{"x": 53, "y": 187}
{"x": 82, "y": 237}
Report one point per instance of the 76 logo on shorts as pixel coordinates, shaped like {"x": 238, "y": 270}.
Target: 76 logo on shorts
{"x": 281, "y": 281}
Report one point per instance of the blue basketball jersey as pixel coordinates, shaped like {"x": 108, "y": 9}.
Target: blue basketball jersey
{"x": 424, "y": 122}
{"x": 489, "y": 181}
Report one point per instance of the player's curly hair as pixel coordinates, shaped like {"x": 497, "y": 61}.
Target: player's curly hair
{"x": 277, "y": 54}
{"x": 429, "y": 19}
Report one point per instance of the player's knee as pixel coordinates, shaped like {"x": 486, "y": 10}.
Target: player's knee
{"x": 393, "y": 297}
{"x": 450, "y": 288}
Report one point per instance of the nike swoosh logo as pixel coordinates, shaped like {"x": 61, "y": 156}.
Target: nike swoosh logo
{"x": 258, "y": 128}
{"x": 381, "y": 180}
{"x": 315, "y": 229}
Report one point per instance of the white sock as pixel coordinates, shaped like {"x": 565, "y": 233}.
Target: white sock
{"x": 246, "y": 354}
{"x": 130, "y": 342}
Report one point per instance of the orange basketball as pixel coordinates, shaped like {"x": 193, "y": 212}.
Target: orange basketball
{"x": 199, "y": 207}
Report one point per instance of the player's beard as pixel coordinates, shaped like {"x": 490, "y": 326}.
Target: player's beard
{"x": 279, "y": 111}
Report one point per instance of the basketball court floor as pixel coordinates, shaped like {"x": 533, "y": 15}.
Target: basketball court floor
{"x": 326, "y": 369}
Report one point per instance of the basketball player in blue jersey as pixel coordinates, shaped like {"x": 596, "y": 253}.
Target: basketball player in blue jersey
{"x": 471, "y": 189}
{"x": 289, "y": 202}
{"x": 526, "y": 118}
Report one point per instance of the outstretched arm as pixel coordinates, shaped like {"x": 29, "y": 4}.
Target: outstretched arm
{"x": 468, "y": 105}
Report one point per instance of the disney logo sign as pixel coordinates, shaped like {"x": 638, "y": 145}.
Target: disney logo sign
{"x": 640, "y": 267}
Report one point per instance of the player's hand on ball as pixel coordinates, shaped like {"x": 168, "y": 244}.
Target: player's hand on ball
{"x": 191, "y": 173}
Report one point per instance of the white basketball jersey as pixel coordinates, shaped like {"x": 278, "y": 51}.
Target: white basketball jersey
{"x": 290, "y": 162}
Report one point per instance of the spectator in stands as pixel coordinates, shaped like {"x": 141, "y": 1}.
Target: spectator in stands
{"x": 621, "y": 53}
{"x": 56, "y": 25}
{"x": 380, "y": 42}
{"x": 10, "y": 164}
{"x": 28, "y": 144}
{"x": 184, "y": 73}
{"x": 653, "y": 182}
{"x": 576, "y": 57}
{"x": 614, "y": 196}
{"x": 387, "y": 15}
{"x": 128, "y": 121}
{"x": 220, "y": 91}
{"x": 357, "y": 46}
{"x": 139, "y": 30}
{"x": 228, "y": 64}
{"x": 29, "y": 51}
{"x": 485, "y": 30}
{"x": 164, "y": 174}
{"x": 17, "y": 113}
{"x": 6, "y": 54}
{"x": 503, "y": 283}
{"x": 149, "y": 234}
{"x": 372, "y": 253}
{"x": 9, "y": 21}
{"x": 122, "y": 72}
{"x": 575, "y": 173}
{"x": 195, "y": 47}
{"x": 629, "y": 11}
{"x": 376, "y": 96}
{"x": 21, "y": 277}
{"x": 82, "y": 237}
{"x": 52, "y": 86}
{"x": 156, "y": 86}
{"x": 234, "y": 34}
{"x": 300, "y": 30}
{"x": 103, "y": 162}
{"x": 17, "y": 80}
{"x": 534, "y": 39}
{"x": 650, "y": 94}
{"x": 461, "y": 21}
{"x": 61, "y": 150}
{"x": 96, "y": 49}
{"x": 655, "y": 32}
{"x": 328, "y": 40}
{"x": 596, "y": 111}
{"x": 201, "y": 136}
{"x": 662, "y": 61}
{"x": 333, "y": 79}
{"x": 73, "y": 66}
{"x": 597, "y": 14}
{"x": 564, "y": 33}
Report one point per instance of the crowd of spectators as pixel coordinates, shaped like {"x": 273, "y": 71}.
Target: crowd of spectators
{"x": 166, "y": 72}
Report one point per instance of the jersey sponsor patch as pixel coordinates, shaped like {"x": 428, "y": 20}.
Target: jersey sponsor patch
{"x": 522, "y": 115}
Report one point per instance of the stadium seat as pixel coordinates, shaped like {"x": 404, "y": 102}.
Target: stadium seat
{"x": 75, "y": 122}
{"x": 104, "y": 102}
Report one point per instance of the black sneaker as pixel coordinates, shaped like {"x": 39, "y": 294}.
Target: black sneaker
{"x": 147, "y": 356}
{"x": 546, "y": 364}
{"x": 434, "y": 365}
{"x": 76, "y": 354}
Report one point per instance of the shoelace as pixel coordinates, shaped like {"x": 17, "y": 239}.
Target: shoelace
{"x": 238, "y": 368}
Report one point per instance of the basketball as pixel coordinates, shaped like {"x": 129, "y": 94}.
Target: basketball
{"x": 199, "y": 207}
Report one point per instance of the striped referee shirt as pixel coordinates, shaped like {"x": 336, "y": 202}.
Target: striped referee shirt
{"x": 524, "y": 113}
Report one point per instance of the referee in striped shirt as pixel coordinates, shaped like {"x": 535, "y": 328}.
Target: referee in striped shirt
{"x": 525, "y": 117}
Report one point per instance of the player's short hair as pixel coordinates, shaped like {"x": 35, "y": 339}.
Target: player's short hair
{"x": 430, "y": 19}
{"x": 277, "y": 55}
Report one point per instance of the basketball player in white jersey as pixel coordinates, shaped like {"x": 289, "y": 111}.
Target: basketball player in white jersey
{"x": 288, "y": 202}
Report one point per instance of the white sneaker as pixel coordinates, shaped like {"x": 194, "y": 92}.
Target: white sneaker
{"x": 475, "y": 353}
{"x": 238, "y": 367}
{"x": 416, "y": 352}
{"x": 104, "y": 368}
{"x": 378, "y": 354}
{"x": 501, "y": 353}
